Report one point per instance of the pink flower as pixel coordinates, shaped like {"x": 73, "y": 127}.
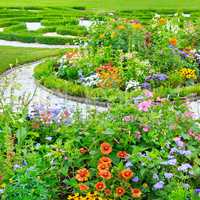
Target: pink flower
{"x": 145, "y": 105}
{"x": 138, "y": 135}
{"x": 189, "y": 114}
{"x": 145, "y": 129}
{"x": 128, "y": 118}
{"x": 148, "y": 93}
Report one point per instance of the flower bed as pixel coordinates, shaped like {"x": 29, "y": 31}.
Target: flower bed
{"x": 124, "y": 56}
{"x": 142, "y": 150}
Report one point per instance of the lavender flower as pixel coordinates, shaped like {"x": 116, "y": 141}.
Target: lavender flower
{"x": 184, "y": 152}
{"x": 186, "y": 186}
{"x": 184, "y": 167}
{"x": 146, "y": 85}
{"x": 170, "y": 162}
{"x": 128, "y": 164}
{"x": 197, "y": 190}
{"x": 159, "y": 185}
{"x": 135, "y": 179}
{"x": 155, "y": 176}
{"x": 168, "y": 175}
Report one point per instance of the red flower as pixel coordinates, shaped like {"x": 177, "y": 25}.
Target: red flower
{"x": 120, "y": 191}
{"x": 103, "y": 166}
{"x": 83, "y": 187}
{"x": 107, "y": 192}
{"x": 106, "y": 148}
{"x": 105, "y": 174}
{"x": 122, "y": 154}
{"x": 83, "y": 150}
{"x": 82, "y": 175}
{"x": 105, "y": 160}
{"x": 100, "y": 186}
{"x": 126, "y": 174}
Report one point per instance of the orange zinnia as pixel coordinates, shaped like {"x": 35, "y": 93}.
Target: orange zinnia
{"x": 105, "y": 160}
{"x": 120, "y": 191}
{"x": 103, "y": 166}
{"x": 100, "y": 186}
{"x": 107, "y": 192}
{"x": 82, "y": 175}
{"x": 83, "y": 187}
{"x": 136, "y": 193}
{"x": 83, "y": 150}
{"x": 122, "y": 154}
{"x": 106, "y": 148}
{"x": 105, "y": 174}
{"x": 126, "y": 174}
{"x": 120, "y": 27}
{"x": 173, "y": 41}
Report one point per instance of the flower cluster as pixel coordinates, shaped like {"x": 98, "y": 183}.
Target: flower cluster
{"x": 188, "y": 73}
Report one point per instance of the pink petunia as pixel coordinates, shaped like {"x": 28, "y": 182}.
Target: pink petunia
{"x": 145, "y": 105}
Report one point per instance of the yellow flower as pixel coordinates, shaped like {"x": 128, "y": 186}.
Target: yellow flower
{"x": 162, "y": 21}
{"x": 120, "y": 27}
{"x": 101, "y": 36}
{"x": 137, "y": 26}
{"x": 188, "y": 73}
{"x": 113, "y": 34}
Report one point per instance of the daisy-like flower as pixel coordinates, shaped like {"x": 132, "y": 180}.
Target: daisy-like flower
{"x": 106, "y": 148}
{"x": 82, "y": 175}
{"x": 105, "y": 160}
{"x": 120, "y": 191}
{"x": 136, "y": 193}
{"x": 145, "y": 105}
{"x": 122, "y": 154}
{"x": 83, "y": 187}
{"x": 126, "y": 174}
{"x": 100, "y": 186}
{"x": 105, "y": 174}
{"x": 103, "y": 166}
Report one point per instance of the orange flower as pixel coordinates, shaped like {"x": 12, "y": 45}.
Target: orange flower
{"x": 122, "y": 154}
{"x": 105, "y": 174}
{"x": 120, "y": 27}
{"x": 162, "y": 21}
{"x": 137, "y": 25}
{"x": 173, "y": 41}
{"x": 103, "y": 166}
{"x": 82, "y": 175}
{"x": 100, "y": 186}
{"x": 107, "y": 192}
{"x": 83, "y": 150}
{"x": 105, "y": 160}
{"x": 136, "y": 193}
{"x": 126, "y": 174}
{"x": 120, "y": 191}
{"x": 83, "y": 187}
{"x": 106, "y": 148}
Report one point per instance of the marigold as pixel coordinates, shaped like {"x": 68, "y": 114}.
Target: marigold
{"x": 122, "y": 154}
{"x": 173, "y": 41}
{"x": 105, "y": 174}
{"x": 106, "y": 148}
{"x": 126, "y": 174}
{"x": 120, "y": 191}
{"x": 136, "y": 193}
{"x": 137, "y": 25}
{"x": 100, "y": 186}
{"x": 105, "y": 160}
{"x": 82, "y": 175}
{"x": 83, "y": 187}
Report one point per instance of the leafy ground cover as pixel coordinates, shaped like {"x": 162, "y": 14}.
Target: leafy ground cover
{"x": 124, "y": 55}
{"x": 120, "y": 154}
{"x": 12, "y": 56}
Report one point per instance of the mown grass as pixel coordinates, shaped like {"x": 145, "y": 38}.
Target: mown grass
{"x": 106, "y": 4}
{"x": 12, "y": 56}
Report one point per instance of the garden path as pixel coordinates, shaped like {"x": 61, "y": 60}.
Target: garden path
{"x": 21, "y": 78}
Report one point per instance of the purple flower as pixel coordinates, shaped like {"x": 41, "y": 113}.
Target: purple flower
{"x": 135, "y": 179}
{"x": 170, "y": 162}
{"x": 197, "y": 190}
{"x": 168, "y": 175}
{"x": 145, "y": 85}
{"x": 128, "y": 164}
{"x": 179, "y": 142}
{"x": 184, "y": 152}
{"x": 159, "y": 185}
{"x": 148, "y": 94}
{"x": 184, "y": 167}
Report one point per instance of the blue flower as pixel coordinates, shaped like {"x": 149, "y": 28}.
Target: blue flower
{"x": 135, "y": 179}
{"x": 159, "y": 185}
{"x": 168, "y": 175}
{"x": 184, "y": 167}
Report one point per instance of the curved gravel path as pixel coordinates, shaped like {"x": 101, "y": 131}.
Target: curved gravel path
{"x": 34, "y": 45}
{"x": 22, "y": 79}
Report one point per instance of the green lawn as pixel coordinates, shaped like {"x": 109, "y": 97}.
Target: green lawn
{"x": 19, "y": 55}
{"x": 106, "y": 4}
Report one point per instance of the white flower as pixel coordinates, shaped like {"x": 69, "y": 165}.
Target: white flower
{"x": 48, "y": 138}
{"x": 186, "y": 15}
{"x": 132, "y": 84}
